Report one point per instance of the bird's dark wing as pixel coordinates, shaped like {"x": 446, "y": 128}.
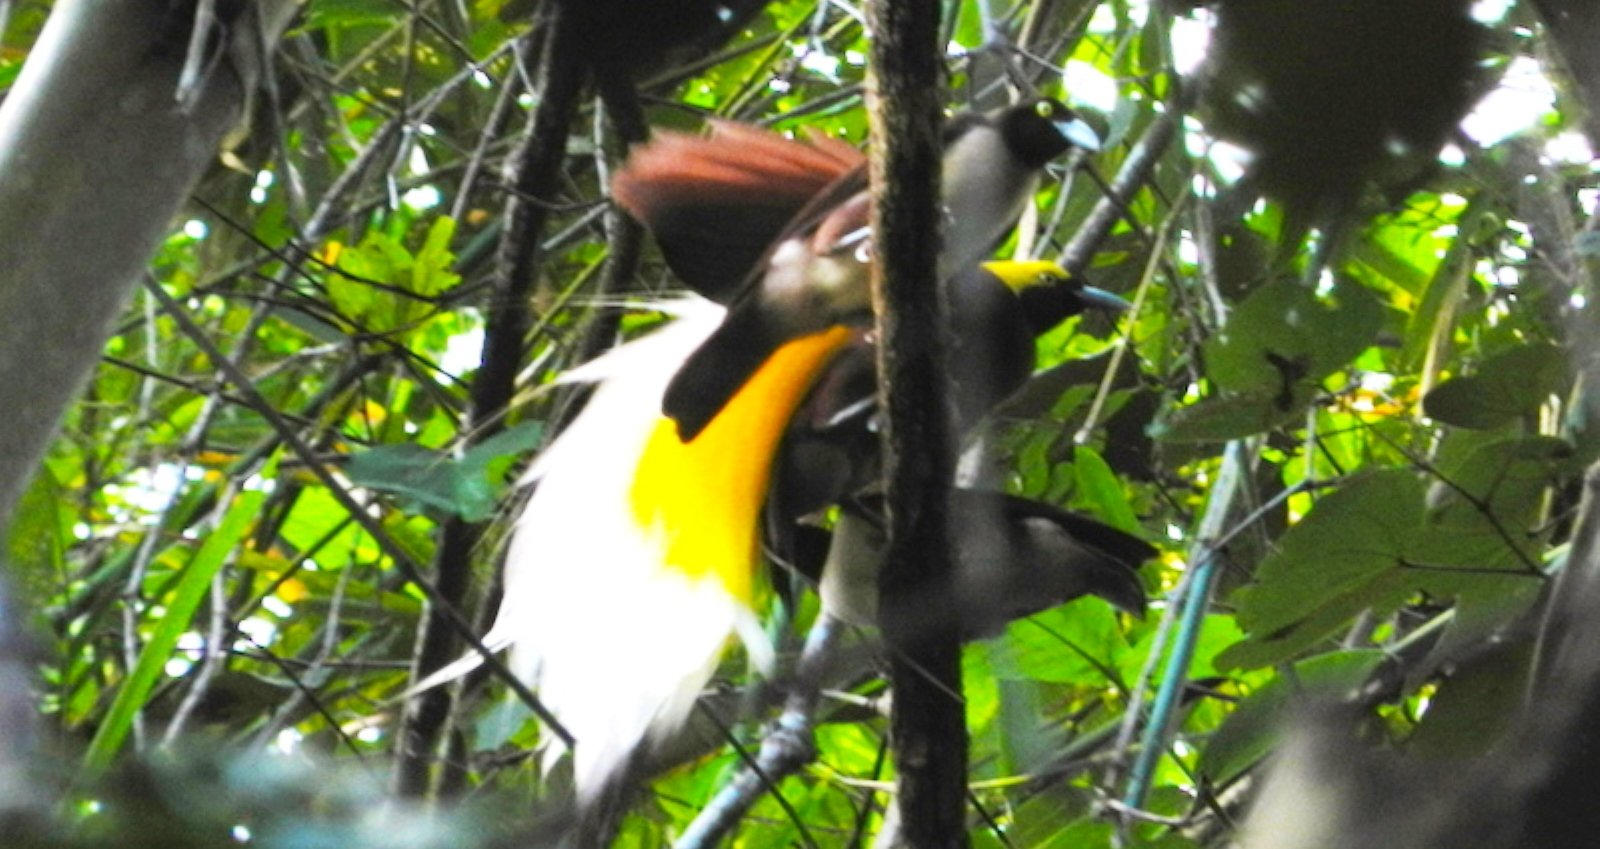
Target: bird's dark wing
{"x": 716, "y": 204}
{"x": 1018, "y": 557}
{"x": 829, "y": 449}
{"x": 1116, "y": 544}
{"x": 1013, "y": 558}
{"x": 753, "y": 330}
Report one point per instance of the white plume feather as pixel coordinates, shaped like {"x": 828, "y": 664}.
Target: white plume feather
{"x": 635, "y": 560}
{"x": 617, "y": 646}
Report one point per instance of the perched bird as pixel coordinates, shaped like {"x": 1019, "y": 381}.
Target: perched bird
{"x": 997, "y": 309}
{"x": 813, "y": 274}
{"x": 635, "y": 560}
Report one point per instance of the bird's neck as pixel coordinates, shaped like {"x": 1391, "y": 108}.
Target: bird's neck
{"x": 985, "y": 190}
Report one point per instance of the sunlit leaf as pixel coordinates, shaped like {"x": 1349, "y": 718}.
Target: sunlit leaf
{"x": 181, "y": 607}
{"x": 329, "y": 13}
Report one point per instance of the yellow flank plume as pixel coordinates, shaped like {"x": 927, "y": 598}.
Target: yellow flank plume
{"x": 702, "y": 499}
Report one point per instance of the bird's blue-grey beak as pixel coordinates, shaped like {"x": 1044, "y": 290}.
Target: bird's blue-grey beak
{"x": 1080, "y": 134}
{"x": 1100, "y": 299}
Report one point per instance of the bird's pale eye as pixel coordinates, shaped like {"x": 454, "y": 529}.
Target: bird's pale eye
{"x": 1044, "y": 109}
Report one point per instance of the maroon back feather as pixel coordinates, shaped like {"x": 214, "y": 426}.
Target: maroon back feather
{"x": 716, "y": 203}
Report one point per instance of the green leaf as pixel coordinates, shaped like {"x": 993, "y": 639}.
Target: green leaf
{"x": 1284, "y": 337}
{"x": 1390, "y": 535}
{"x": 511, "y": 442}
{"x": 1075, "y": 643}
{"x": 980, "y": 690}
{"x": 1026, "y": 739}
{"x": 377, "y": 261}
{"x": 1354, "y": 534}
{"x": 1058, "y": 817}
{"x": 1230, "y": 416}
{"x": 1219, "y": 632}
{"x": 1252, "y": 730}
{"x": 1033, "y": 464}
{"x": 1344, "y": 557}
{"x": 1384, "y": 593}
{"x": 460, "y": 486}
{"x": 1395, "y": 267}
{"x": 431, "y": 478}
{"x": 1430, "y": 319}
{"x": 431, "y": 274}
{"x": 329, "y": 13}
{"x": 186, "y": 596}
{"x": 1510, "y": 384}
{"x": 1500, "y": 485}
{"x": 1099, "y": 488}
{"x": 311, "y": 325}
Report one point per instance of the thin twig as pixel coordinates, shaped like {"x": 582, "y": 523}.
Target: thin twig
{"x": 357, "y": 511}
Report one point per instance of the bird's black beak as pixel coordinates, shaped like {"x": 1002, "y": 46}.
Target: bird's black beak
{"x": 1078, "y": 131}
{"x": 1100, "y": 299}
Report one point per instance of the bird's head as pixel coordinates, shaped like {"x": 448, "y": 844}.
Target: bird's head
{"x": 1041, "y": 129}
{"x": 1049, "y": 294}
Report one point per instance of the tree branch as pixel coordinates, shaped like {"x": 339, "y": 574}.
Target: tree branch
{"x": 1136, "y": 171}
{"x": 535, "y": 169}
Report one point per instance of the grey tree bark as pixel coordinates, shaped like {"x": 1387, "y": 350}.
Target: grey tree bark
{"x": 96, "y": 156}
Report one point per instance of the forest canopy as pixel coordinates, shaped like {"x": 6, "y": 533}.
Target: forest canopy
{"x": 1347, "y": 406}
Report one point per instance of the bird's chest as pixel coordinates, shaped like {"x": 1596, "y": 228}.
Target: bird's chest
{"x": 981, "y": 206}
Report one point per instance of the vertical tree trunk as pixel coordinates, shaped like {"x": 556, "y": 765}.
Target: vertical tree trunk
{"x": 1574, "y": 26}
{"x": 95, "y": 158}
{"x": 928, "y": 720}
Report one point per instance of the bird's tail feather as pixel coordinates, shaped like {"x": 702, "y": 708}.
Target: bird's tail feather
{"x": 616, "y": 641}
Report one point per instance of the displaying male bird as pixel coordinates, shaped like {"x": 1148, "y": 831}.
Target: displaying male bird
{"x": 636, "y": 560}
{"x": 716, "y": 204}
{"x": 813, "y": 275}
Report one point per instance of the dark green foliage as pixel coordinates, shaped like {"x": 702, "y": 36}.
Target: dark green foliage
{"x": 1406, "y": 399}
